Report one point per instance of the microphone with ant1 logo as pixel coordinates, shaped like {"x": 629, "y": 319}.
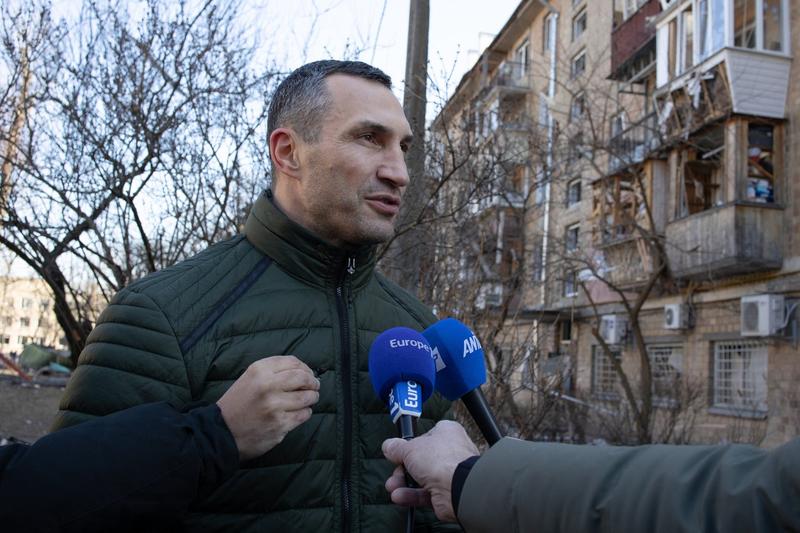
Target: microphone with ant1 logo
{"x": 461, "y": 370}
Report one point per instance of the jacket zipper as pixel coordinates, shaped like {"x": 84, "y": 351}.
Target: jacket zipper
{"x": 346, "y": 391}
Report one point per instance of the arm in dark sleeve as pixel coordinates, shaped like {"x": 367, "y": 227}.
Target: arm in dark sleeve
{"x": 523, "y": 486}
{"x": 116, "y": 472}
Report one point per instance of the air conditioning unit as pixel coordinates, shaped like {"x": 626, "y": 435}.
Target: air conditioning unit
{"x": 493, "y": 298}
{"x": 762, "y": 315}
{"x": 676, "y": 316}
{"x": 613, "y": 328}
{"x": 489, "y": 296}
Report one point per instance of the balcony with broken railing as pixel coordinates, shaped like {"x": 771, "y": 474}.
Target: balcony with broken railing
{"x": 502, "y": 129}
{"x": 510, "y": 77}
{"x": 729, "y": 210}
{"x": 634, "y": 144}
{"x": 628, "y": 216}
{"x": 721, "y": 57}
{"x": 733, "y": 239}
{"x": 504, "y": 187}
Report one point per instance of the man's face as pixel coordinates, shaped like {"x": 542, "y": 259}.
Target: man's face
{"x": 354, "y": 175}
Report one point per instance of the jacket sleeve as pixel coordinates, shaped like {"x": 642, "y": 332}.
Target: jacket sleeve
{"x": 132, "y": 356}
{"x": 141, "y": 465}
{"x": 523, "y": 486}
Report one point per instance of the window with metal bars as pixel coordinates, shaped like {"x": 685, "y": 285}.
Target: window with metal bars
{"x": 604, "y": 377}
{"x": 740, "y": 376}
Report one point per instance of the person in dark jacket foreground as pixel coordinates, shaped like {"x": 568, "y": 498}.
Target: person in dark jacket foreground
{"x": 144, "y": 466}
{"x": 300, "y": 280}
{"x": 525, "y": 486}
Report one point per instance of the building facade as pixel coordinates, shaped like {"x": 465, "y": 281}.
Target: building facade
{"x": 28, "y": 316}
{"x": 634, "y": 213}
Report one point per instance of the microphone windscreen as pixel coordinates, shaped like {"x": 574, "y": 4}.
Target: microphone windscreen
{"x": 401, "y": 354}
{"x": 458, "y": 356}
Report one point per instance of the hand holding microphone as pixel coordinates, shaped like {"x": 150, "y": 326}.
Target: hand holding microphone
{"x": 450, "y": 356}
{"x": 431, "y": 459}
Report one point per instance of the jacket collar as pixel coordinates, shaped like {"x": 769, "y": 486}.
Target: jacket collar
{"x": 303, "y": 254}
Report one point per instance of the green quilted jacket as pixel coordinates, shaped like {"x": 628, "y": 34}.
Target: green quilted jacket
{"x": 184, "y": 334}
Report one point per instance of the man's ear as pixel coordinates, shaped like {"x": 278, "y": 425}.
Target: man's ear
{"x": 283, "y": 150}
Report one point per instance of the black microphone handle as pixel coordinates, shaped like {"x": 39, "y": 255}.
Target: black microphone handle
{"x": 406, "y": 427}
{"x": 475, "y": 403}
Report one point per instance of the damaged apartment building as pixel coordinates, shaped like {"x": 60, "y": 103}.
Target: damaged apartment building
{"x": 640, "y": 229}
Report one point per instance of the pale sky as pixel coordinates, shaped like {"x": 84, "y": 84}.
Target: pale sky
{"x": 294, "y": 32}
{"x": 322, "y": 29}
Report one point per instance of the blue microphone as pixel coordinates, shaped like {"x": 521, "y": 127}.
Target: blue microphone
{"x": 403, "y": 374}
{"x": 461, "y": 370}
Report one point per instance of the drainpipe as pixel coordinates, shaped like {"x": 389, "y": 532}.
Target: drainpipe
{"x": 551, "y": 91}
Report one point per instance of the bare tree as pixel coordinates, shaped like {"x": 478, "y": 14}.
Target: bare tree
{"x": 128, "y": 142}
{"x": 492, "y": 169}
{"x": 621, "y": 261}
{"x": 480, "y": 253}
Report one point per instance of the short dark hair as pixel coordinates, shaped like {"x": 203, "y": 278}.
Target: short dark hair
{"x": 302, "y": 98}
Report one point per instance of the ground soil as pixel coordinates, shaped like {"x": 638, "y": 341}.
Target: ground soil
{"x": 26, "y": 411}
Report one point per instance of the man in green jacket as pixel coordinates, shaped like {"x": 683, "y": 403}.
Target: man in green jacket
{"x": 526, "y": 486}
{"x": 299, "y": 281}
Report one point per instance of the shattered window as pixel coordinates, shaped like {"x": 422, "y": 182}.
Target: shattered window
{"x": 756, "y": 23}
{"x": 773, "y": 25}
{"x": 760, "y": 167}
{"x": 703, "y": 30}
{"x": 744, "y": 23}
{"x": 701, "y": 173}
{"x": 672, "y": 50}
{"x": 687, "y": 27}
{"x": 618, "y": 209}
{"x": 717, "y": 21}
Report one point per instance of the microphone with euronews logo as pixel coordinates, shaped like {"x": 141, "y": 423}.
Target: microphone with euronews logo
{"x": 461, "y": 370}
{"x": 403, "y": 374}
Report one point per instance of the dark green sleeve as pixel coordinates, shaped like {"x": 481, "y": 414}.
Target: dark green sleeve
{"x": 523, "y": 486}
{"x": 131, "y": 357}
